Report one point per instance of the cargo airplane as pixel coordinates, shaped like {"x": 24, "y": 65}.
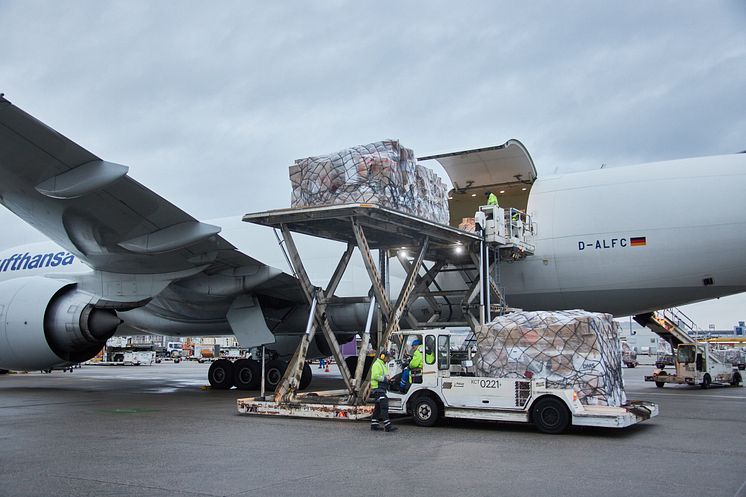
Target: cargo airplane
{"x": 121, "y": 259}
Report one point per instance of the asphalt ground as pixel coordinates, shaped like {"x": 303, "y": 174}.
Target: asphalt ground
{"x": 156, "y": 431}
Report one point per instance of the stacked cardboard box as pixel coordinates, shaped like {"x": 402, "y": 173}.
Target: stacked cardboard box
{"x": 467, "y": 224}
{"x": 383, "y": 173}
{"x": 577, "y": 349}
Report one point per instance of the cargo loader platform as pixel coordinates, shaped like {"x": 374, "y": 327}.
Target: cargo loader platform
{"x": 423, "y": 248}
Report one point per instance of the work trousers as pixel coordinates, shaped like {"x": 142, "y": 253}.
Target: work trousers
{"x": 381, "y": 410}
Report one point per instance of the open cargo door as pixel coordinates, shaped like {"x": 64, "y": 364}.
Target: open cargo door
{"x": 506, "y": 170}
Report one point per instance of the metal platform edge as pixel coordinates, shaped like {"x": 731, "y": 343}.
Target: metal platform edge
{"x": 258, "y": 406}
{"x": 276, "y": 217}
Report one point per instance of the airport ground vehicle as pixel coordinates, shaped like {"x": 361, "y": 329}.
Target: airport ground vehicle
{"x": 448, "y": 389}
{"x": 693, "y": 360}
{"x": 629, "y": 356}
{"x": 696, "y": 365}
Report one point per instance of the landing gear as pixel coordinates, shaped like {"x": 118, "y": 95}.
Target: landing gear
{"x": 273, "y": 373}
{"x": 247, "y": 374}
{"x": 220, "y": 374}
{"x": 305, "y": 377}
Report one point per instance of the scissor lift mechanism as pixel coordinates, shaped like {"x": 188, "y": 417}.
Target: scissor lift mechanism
{"x": 371, "y": 227}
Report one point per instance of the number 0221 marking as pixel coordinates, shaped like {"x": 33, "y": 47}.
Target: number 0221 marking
{"x": 489, "y": 384}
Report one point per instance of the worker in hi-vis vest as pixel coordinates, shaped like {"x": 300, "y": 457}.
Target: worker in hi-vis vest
{"x": 415, "y": 364}
{"x": 491, "y": 199}
{"x": 379, "y": 377}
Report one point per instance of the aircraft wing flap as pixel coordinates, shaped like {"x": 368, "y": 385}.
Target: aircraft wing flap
{"x": 95, "y": 210}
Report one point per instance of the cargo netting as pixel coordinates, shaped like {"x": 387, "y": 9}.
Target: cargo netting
{"x": 382, "y": 173}
{"x": 571, "y": 349}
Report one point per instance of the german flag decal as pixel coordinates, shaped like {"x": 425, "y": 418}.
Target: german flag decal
{"x": 639, "y": 241}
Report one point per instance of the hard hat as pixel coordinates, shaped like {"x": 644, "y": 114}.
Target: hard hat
{"x": 384, "y": 353}
{"x": 416, "y": 342}
{"x": 487, "y": 193}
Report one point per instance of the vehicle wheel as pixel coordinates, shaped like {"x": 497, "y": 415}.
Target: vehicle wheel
{"x": 550, "y": 415}
{"x": 660, "y": 365}
{"x": 631, "y": 366}
{"x": 273, "y": 373}
{"x": 247, "y": 374}
{"x": 305, "y": 377}
{"x": 742, "y": 366}
{"x": 220, "y": 374}
{"x": 735, "y": 379}
{"x": 706, "y": 381}
{"x": 660, "y": 384}
{"x": 424, "y": 411}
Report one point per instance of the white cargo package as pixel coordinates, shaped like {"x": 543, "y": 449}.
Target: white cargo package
{"x": 382, "y": 173}
{"x": 576, "y": 348}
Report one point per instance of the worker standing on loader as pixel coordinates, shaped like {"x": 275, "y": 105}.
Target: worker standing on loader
{"x": 379, "y": 377}
{"x": 491, "y": 199}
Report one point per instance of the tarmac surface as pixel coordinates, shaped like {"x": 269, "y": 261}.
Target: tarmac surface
{"x": 155, "y": 431}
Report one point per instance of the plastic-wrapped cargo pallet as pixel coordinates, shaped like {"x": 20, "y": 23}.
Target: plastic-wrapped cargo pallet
{"x": 383, "y": 173}
{"x": 574, "y": 348}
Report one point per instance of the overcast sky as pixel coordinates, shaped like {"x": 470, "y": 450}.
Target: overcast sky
{"x": 209, "y": 103}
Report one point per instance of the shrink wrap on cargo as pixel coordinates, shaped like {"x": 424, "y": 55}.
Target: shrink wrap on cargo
{"x": 383, "y": 173}
{"x": 576, "y": 348}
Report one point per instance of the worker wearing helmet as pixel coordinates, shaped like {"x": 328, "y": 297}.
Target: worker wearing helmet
{"x": 416, "y": 361}
{"x": 491, "y": 198}
{"x": 379, "y": 377}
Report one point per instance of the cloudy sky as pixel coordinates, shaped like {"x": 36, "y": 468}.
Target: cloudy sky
{"x": 209, "y": 104}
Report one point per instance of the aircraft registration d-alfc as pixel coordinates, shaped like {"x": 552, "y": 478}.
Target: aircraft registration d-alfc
{"x": 121, "y": 259}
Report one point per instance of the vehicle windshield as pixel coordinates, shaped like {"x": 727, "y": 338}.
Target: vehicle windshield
{"x": 685, "y": 353}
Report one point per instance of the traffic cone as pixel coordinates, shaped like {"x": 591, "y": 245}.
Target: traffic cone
{"x": 327, "y": 367}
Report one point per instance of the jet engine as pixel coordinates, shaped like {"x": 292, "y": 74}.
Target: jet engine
{"x": 47, "y": 323}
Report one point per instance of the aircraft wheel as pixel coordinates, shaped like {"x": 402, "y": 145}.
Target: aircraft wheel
{"x": 706, "y": 382}
{"x": 247, "y": 374}
{"x": 305, "y": 377}
{"x": 273, "y": 373}
{"x": 550, "y": 415}
{"x": 424, "y": 411}
{"x": 220, "y": 374}
{"x": 351, "y": 362}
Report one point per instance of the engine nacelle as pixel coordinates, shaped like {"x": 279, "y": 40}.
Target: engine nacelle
{"x": 47, "y": 323}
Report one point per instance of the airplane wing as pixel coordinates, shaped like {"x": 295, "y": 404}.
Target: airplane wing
{"x": 93, "y": 209}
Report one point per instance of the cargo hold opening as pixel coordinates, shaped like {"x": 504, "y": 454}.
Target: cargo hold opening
{"x": 506, "y": 168}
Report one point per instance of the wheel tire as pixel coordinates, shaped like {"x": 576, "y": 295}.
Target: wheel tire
{"x": 352, "y": 365}
{"x": 706, "y": 382}
{"x": 660, "y": 384}
{"x": 735, "y": 379}
{"x": 550, "y": 415}
{"x": 424, "y": 411}
{"x": 305, "y": 377}
{"x": 247, "y": 374}
{"x": 631, "y": 366}
{"x": 220, "y": 374}
{"x": 274, "y": 370}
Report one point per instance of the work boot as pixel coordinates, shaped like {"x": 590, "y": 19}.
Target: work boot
{"x": 375, "y": 428}
{"x": 391, "y": 428}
